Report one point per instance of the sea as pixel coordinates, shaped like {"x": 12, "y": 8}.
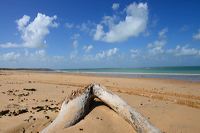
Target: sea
{"x": 191, "y": 73}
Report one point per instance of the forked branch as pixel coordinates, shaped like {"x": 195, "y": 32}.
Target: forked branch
{"x": 76, "y": 106}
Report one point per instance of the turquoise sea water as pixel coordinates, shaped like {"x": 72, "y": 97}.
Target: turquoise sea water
{"x": 182, "y": 73}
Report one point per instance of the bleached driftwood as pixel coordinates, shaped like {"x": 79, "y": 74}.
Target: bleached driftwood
{"x": 72, "y": 110}
{"x": 140, "y": 123}
{"x": 76, "y": 107}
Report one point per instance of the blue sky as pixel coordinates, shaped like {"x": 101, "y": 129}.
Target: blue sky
{"x": 103, "y": 33}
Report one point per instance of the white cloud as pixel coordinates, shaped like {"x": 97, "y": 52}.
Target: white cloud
{"x": 69, "y": 25}
{"x": 86, "y": 26}
{"x": 184, "y": 51}
{"x": 75, "y": 44}
{"x": 109, "y": 21}
{"x": 40, "y": 53}
{"x": 73, "y": 54}
{"x": 89, "y": 58}
{"x": 75, "y": 36}
{"x": 99, "y": 32}
{"x": 108, "y": 53}
{"x": 115, "y": 6}
{"x": 134, "y": 53}
{"x": 135, "y": 23}
{"x": 87, "y": 48}
{"x": 11, "y": 56}
{"x": 28, "y": 58}
{"x": 197, "y": 35}
{"x": 33, "y": 33}
{"x": 157, "y": 47}
{"x": 9, "y": 45}
{"x": 75, "y": 40}
{"x": 162, "y": 33}
{"x": 23, "y": 22}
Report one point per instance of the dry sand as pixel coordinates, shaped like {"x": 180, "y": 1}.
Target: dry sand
{"x": 29, "y": 101}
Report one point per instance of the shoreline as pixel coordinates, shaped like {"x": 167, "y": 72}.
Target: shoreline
{"x": 175, "y": 76}
{"x": 116, "y": 75}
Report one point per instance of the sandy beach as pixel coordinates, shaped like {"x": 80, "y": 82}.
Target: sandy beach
{"x": 29, "y": 101}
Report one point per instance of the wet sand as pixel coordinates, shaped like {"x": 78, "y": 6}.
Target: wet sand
{"x": 29, "y": 101}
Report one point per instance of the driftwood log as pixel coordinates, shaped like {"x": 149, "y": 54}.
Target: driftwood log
{"x": 76, "y": 106}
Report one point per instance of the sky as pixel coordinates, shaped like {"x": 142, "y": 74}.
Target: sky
{"x": 99, "y": 33}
